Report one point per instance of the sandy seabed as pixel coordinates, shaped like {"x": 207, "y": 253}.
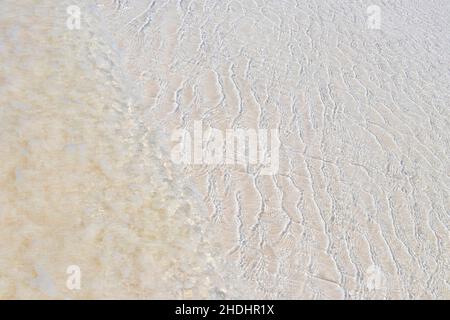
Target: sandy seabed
{"x": 359, "y": 207}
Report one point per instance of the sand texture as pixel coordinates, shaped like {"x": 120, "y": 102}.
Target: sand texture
{"x": 356, "y": 204}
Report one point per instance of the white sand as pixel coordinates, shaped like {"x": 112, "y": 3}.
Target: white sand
{"x": 359, "y": 207}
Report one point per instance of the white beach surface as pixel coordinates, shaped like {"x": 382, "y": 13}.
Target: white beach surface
{"x": 358, "y": 209}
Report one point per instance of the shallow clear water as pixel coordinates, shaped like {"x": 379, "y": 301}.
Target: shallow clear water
{"x": 83, "y": 181}
{"x": 359, "y": 206}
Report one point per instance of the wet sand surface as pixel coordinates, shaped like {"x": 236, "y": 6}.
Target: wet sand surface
{"x": 358, "y": 207}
